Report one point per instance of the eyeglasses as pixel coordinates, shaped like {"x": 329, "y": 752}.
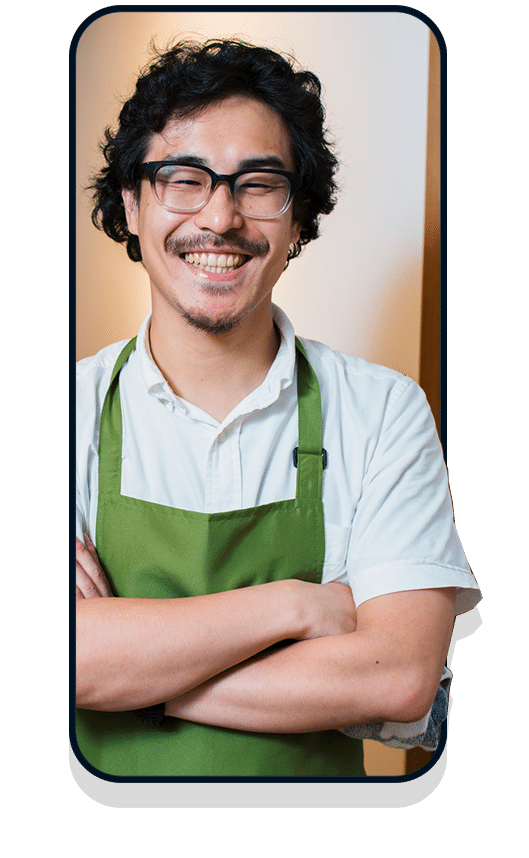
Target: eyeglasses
{"x": 262, "y": 193}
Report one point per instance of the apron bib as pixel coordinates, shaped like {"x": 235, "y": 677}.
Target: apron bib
{"x": 155, "y": 551}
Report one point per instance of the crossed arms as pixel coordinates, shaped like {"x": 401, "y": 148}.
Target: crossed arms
{"x": 213, "y": 659}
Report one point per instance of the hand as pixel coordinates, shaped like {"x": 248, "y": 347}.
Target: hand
{"x": 330, "y": 610}
{"x": 90, "y": 580}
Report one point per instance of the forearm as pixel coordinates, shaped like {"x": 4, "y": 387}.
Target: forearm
{"x": 309, "y": 685}
{"x": 137, "y": 652}
{"x": 374, "y": 674}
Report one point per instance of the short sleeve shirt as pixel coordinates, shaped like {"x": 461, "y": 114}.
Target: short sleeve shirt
{"x": 387, "y": 509}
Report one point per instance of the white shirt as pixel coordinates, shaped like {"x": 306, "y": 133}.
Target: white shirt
{"x": 387, "y": 508}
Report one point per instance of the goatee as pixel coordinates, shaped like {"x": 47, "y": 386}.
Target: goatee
{"x": 176, "y": 246}
{"x": 210, "y": 326}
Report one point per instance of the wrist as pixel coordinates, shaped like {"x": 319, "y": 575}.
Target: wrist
{"x": 297, "y": 614}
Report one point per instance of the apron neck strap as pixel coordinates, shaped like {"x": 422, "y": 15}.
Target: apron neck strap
{"x": 111, "y": 430}
{"x": 309, "y": 456}
{"x": 310, "y": 451}
{"x": 122, "y": 359}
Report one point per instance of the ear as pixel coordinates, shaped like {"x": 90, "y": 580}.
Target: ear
{"x": 131, "y": 210}
{"x": 295, "y": 232}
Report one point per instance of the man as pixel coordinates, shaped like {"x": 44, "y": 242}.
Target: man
{"x": 227, "y": 469}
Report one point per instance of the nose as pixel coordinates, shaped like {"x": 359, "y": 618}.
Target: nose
{"x": 220, "y": 213}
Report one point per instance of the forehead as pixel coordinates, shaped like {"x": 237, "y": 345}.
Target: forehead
{"x": 224, "y": 134}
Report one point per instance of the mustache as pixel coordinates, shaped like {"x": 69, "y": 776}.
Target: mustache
{"x": 195, "y": 244}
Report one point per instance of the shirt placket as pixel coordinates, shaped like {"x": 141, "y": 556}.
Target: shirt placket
{"x": 223, "y": 473}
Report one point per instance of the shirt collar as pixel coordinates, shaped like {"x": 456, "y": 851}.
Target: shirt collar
{"x": 279, "y": 377}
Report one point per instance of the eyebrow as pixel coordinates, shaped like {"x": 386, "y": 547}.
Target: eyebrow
{"x": 271, "y": 161}
{"x": 267, "y": 161}
{"x": 187, "y": 159}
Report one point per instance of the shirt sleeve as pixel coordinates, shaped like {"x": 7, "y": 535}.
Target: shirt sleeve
{"x": 80, "y": 521}
{"x": 403, "y": 535}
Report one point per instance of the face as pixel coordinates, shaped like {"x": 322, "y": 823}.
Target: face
{"x": 173, "y": 245}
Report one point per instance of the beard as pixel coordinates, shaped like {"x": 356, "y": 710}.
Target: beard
{"x": 177, "y": 246}
{"x": 211, "y": 326}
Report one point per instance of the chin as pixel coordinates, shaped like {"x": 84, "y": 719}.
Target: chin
{"x": 212, "y": 326}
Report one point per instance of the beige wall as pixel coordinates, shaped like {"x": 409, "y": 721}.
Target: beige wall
{"x": 358, "y": 288}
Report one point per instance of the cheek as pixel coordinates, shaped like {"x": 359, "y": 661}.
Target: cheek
{"x": 155, "y": 225}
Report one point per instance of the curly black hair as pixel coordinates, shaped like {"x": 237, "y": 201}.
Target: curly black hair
{"x": 187, "y": 78}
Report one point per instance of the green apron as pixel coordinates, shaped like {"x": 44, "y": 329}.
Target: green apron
{"x": 155, "y": 551}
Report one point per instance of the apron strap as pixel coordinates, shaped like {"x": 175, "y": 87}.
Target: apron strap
{"x": 111, "y": 431}
{"x": 309, "y": 457}
{"x": 310, "y": 451}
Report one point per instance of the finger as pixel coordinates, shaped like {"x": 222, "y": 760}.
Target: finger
{"x": 89, "y": 575}
{"x": 87, "y": 558}
{"x": 89, "y": 545}
{"x": 85, "y": 584}
{"x": 78, "y": 594}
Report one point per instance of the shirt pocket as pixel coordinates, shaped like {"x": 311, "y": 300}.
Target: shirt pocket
{"x": 336, "y": 548}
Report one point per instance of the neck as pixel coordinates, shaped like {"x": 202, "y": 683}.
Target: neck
{"x": 214, "y": 371}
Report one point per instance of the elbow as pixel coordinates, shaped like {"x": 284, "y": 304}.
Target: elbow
{"x": 98, "y": 686}
{"x": 86, "y": 686}
{"x": 411, "y": 697}
{"x": 89, "y": 664}
{"x": 95, "y": 689}
{"x": 84, "y": 698}
{"x": 411, "y": 710}
{"x": 83, "y": 684}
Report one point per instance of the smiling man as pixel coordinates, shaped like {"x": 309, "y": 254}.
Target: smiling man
{"x": 266, "y": 550}
{"x": 255, "y": 232}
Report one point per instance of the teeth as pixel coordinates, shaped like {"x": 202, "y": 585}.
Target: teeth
{"x": 217, "y": 263}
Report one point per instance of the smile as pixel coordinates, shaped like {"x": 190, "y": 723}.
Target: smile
{"x": 217, "y": 263}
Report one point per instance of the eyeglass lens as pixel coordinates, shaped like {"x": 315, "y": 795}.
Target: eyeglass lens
{"x": 182, "y": 188}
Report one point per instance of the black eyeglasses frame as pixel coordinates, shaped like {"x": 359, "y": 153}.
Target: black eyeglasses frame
{"x": 150, "y": 168}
